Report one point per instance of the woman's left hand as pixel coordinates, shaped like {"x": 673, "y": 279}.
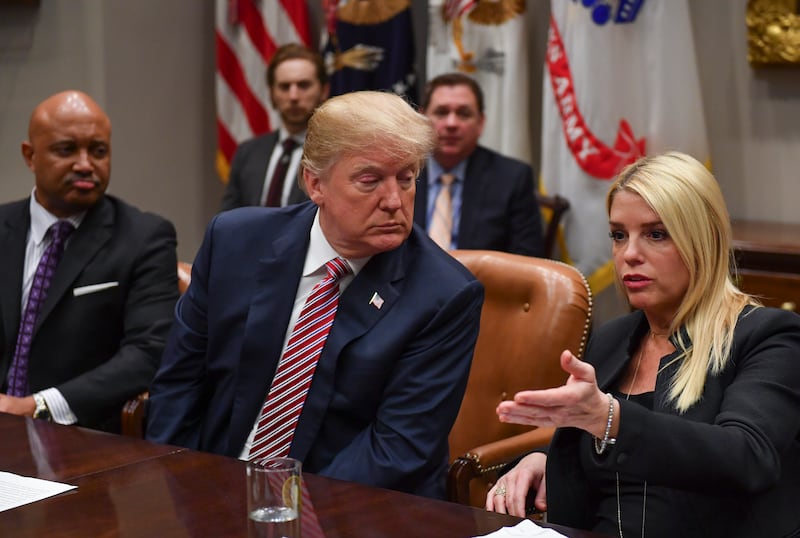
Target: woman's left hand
{"x": 579, "y": 403}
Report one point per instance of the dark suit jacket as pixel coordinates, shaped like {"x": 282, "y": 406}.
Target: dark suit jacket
{"x": 729, "y": 466}
{"x": 498, "y": 208}
{"x": 101, "y": 348}
{"x": 248, "y": 170}
{"x": 388, "y": 384}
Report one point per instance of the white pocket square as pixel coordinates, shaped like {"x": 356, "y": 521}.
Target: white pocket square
{"x": 94, "y": 288}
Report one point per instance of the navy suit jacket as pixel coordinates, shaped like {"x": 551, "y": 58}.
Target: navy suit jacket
{"x": 498, "y": 207}
{"x": 388, "y": 384}
{"x": 248, "y": 171}
{"x": 102, "y": 348}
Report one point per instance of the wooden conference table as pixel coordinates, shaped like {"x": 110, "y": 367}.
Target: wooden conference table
{"x": 129, "y": 487}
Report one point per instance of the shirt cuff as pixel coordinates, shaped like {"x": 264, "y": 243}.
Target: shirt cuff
{"x": 59, "y": 408}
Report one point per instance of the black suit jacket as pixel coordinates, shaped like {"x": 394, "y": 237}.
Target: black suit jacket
{"x": 728, "y": 467}
{"x": 248, "y": 171}
{"x": 101, "y": 348}
{"x": 498, "y": 208}
{"x": 388, "y": 384}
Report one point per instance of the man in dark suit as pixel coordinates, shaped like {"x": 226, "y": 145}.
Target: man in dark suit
{"x": 492, "y": 202}
{"x": 75, "y": 349}
{"x": 298, "y": 83}
{"x": 388, "y": 383}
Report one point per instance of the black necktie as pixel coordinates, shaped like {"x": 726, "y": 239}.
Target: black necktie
{"x": 279, "y": 175}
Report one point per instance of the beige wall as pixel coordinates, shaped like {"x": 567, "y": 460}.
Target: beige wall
{"x": 150, "y": 63}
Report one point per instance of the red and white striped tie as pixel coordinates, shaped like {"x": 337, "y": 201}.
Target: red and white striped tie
{"x": 286, "y": 396}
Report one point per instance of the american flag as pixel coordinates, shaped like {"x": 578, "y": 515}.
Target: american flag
{"x": 247, "y": 34}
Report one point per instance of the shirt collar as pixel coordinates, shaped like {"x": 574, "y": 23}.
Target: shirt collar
{"x": 321, "y": 252}
{"x": 435, "y": 170}
{"x": 283, "y": 134}
{"x": 42, "y": 219}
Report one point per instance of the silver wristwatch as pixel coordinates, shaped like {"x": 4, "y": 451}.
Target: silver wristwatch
{"x": 41, "y": 411}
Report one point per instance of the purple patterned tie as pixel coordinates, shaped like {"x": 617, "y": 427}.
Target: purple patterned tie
{"x": 18, "y": 373}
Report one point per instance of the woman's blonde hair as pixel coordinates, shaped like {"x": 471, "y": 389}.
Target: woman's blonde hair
{"x": 348, "y": 124}
{"x": 689, "y": 202}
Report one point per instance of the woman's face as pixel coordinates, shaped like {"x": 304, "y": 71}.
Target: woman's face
{"x": 647, "y": 261}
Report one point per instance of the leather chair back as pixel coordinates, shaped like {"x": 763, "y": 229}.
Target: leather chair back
{"x": 553, "y": 208}
{"x": 184, "y": 276}
{"x": 534, "y": 308}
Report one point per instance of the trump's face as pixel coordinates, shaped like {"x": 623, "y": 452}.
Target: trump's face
{"x": 366, "y": 202}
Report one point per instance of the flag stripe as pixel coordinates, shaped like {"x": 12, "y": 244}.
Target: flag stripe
{"x": 244, "y": 47}
{"x": 226, "y": 142}
{"x": 251, "y": 59}
{"x": 254, "y": 24}
{"x": 231, "y": 71}
{"x": 298, "y": 14}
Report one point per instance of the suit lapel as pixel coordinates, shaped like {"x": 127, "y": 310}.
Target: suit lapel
{"x": 93, "y": 233}
{"x": 608, "y": 372}
{"x": 278, "y": 274}
{"x": 355, "y": 316}
{"x": 472, "y": 194}
{"x": 358, "y": 312}
{"x": 259, "y": 162}
{"x": 13, "y": 236}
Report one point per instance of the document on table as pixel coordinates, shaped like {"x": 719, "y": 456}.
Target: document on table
{"x": 16, "y": 490}
{"x": 524, "y": 529}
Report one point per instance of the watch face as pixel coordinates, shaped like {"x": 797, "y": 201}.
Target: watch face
{"x": 41, "y": 412}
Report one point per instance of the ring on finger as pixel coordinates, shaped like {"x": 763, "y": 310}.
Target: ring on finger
{"x": 501, "y": 490}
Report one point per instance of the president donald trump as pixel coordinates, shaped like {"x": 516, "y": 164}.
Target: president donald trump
{"x": 334, "y": 331}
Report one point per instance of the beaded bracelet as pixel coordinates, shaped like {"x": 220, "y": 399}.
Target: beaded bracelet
{"x": 601, "y": 445}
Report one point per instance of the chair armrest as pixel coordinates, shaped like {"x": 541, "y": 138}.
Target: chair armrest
{"x": 483, "y": 463}
{"x": 133, "y": 416}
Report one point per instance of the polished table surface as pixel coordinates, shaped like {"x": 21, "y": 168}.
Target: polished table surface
{"x": 129, "y": 487}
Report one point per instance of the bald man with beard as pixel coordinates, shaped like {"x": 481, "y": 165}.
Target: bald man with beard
{"x": 74, "y": 349}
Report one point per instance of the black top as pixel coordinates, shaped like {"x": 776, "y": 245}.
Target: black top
{"x": 635, "y": 507}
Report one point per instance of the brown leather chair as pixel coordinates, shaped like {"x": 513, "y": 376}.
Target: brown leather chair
{"x": 184, "y": 276}
{"x": 553, "y": 208}
{"x": 132, "y": 417}
{"x": 533, "y": 309}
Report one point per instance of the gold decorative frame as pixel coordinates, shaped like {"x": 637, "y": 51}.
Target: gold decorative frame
{"x": 773, "y": 32}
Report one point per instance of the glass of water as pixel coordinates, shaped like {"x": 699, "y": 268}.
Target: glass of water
{"x": 273, "y": 498}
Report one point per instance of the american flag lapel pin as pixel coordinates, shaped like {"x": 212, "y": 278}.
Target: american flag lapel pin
{"x": 376, "y": 301}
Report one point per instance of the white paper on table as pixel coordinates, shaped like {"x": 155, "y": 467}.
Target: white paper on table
{"x": 524, "y": 529}
{"x": 16, "y": 490}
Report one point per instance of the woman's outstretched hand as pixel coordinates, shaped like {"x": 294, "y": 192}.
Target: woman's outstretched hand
{"x": 579, "y": 403}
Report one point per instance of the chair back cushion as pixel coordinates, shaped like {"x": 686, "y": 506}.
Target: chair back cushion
{"x": 533, "y": 309}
